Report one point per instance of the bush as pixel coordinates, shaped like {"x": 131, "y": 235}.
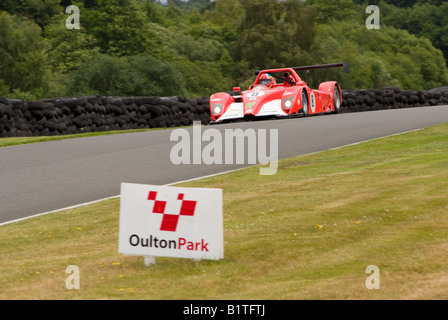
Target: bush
{"x": 125, "y": 76}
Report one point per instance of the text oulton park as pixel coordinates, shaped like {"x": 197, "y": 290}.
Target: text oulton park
{"x": 179, "y": 244}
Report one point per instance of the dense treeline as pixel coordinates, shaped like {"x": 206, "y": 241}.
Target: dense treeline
{"x": 195, "y": 48}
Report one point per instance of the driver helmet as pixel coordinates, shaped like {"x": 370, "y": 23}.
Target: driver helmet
{"x": 267, "y": 80}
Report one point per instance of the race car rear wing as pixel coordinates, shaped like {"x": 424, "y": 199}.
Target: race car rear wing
{"x": 344, "y": 65}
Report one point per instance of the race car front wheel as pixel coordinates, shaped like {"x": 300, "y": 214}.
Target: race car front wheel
{"x": 304, "y": 103}
{"x": 336, "y": 100}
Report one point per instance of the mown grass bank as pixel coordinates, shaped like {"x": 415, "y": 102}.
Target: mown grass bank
{"x": 308, "y": 232}
{"x": 15, "y": 141}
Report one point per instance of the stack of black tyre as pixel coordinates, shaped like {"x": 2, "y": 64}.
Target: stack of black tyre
{"x": 391, "y": 98}
{"x": 61, "y": 116}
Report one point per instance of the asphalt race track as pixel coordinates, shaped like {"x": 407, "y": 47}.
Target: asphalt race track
{"x": 47, "y": 176}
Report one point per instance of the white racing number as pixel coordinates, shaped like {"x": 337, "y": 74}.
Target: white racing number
{"x": 255, "y": 94}
{"x": 313, "y": 102}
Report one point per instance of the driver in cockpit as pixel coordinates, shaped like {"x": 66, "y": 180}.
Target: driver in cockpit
{"x": 267, "y": 80}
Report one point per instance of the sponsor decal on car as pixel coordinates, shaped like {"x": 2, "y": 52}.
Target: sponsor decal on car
{"x": 249, "y": 105}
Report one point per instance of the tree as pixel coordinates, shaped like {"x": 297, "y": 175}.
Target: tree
{"x": 141, "y": 75}
{"x": 379, "y": 58}
{"x": 429, "y": 20}
{"x": 336, "y": 11}
{"x": 201, "y": 5}
{"x": 23, "y": 59}
{"x": 68, "y": 49}
{"x": 276, "y": 34}
{"x": 121, "y": 28}
{"x": 40, "y": 11}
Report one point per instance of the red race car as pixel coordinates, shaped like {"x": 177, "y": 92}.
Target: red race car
{"x": 278, "y": 93}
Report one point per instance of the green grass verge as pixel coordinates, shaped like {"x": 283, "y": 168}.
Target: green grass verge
{"x": 14, "y": 141}
{"x": 308, "y": 232}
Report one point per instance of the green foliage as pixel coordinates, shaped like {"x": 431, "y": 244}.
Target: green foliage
{"x": 40, "y": 11}
{"x": 68, "y": 49}
{"x": 427, "y": 19}
{"x": 330, "y": 11}
{"x": 279, "y": 36}
{"x": 324, "y": 31}
{"x": 201, "y": 5}
{"x": 196, "y": 48}
{"x": 125, "y": 76}
{"x": 23, "y": 57}
{"x": 379, "y": 58}
{"x": 25, "y": 96}
{"x": 121, "y": 28}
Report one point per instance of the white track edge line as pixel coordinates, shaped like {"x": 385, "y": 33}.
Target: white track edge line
{"x": 198, "y": 178}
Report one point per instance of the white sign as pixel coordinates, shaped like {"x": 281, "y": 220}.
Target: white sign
{"x": 171, "y": 222}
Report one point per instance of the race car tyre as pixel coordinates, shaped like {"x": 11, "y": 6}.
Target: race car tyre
{"x": 336, "y": 100}
{"x": 304, "y": 103}
{"x": 35, "y": 105}
{"x": 74, "y": 102}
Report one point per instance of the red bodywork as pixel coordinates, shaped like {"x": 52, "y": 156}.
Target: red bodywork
{"x": 281, "y": 100}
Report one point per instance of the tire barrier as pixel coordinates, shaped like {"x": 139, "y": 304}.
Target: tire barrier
{"x": 60, "y": 116}
{"x": 359, "y": 100}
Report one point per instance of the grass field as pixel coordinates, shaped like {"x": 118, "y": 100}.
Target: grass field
{"x": 308, "y": 232}
{"x": 14, "y": 141}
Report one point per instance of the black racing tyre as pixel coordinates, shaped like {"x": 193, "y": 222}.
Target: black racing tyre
{"x": 5, "y": 101}
{"x": 37, "y": 114}
{"x": 167, "y": 102}
{"x": 336, "y": 100}
{"x": 94, "y": 99}
{"x": 49, "y": 114}
{"x": 155, "y": 111}
{"x": 4, "y": 109}
{"x": 142, "y": 110}
{"x": 74, "y": 102}
{"x": 16, "y": 104}
{"x": 164, "y": 109}
{"x": 35, "y": 105}
{"x": 149, "y": 100}
{"x": 206, "y": 101}
{"x": 182, "y": 107}
{"x": 127, "y": 100}
{"x": 89, "y": 107}
{"x": 304, "y": 100}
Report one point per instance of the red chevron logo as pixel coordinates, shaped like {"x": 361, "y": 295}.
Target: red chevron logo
{"x": 170, "y": 220}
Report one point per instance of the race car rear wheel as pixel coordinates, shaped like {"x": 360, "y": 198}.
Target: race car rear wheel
{"x": 336, "y": 100}
{"x": 304, "y": 103}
